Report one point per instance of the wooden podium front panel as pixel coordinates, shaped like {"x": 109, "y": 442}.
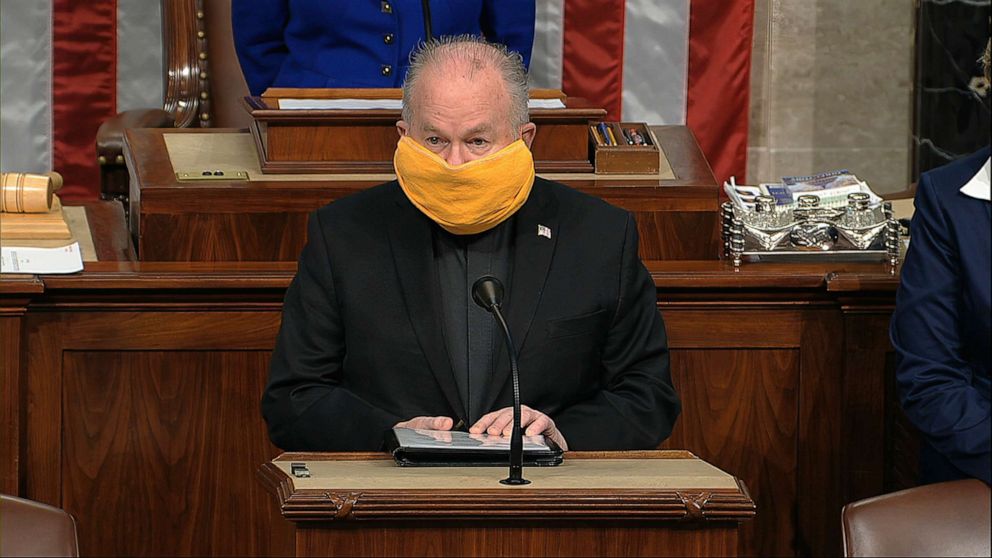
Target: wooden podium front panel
{"x": 532, "y": 538}
{"x": 265, "y": 219}
{"x": 646, "y": 503}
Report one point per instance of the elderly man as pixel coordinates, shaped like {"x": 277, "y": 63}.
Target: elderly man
{"x": 379, "y": 328}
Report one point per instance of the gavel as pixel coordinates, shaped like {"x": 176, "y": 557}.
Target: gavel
{"x": 21, "y": 192}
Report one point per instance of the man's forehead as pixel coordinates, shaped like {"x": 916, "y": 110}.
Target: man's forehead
{"x": 482, "y": 127}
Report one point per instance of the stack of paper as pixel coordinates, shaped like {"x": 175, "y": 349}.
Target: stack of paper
{"x": 831, "y": 187}
{"x": 67, "y": 259}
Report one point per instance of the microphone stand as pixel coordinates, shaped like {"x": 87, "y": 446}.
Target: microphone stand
{"x": 487, "y": 293}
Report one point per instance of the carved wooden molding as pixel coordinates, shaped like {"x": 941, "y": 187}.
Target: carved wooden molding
{"x": 500, "y": 504}
{"x": 187, "y": 90}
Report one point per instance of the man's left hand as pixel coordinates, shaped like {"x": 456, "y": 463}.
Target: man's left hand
{"x": 533, "y": 422}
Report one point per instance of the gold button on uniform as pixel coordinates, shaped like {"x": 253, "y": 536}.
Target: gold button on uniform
{"x": 388, "y": 38}
{"x": 387, "y": 8}
{"x": 387, "y": 71}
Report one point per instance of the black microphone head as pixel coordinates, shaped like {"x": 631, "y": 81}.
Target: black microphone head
{"x": 487, "y": 292}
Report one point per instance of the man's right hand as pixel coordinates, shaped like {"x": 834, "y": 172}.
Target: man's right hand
{"x": 427, "y": 423}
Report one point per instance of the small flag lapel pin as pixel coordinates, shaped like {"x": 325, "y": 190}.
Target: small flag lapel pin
{"x": 544, "y": 231}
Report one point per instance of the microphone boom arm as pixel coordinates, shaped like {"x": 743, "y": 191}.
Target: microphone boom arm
{"x": 487, "y": 292}
{"x": 517, "y": 435}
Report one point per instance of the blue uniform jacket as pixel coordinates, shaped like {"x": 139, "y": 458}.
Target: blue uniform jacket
{"x": 360, "y": 43}
{"x": 940, "y": 329}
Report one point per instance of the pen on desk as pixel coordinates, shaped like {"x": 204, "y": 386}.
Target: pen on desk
{"x": 626, "y": 135}
{"x": 604, "y": 131}
{"x": 613, "y": 138}
{"x": 596, "y": 134}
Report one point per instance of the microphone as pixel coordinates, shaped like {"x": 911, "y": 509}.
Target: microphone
{"x": 487, "y": 292}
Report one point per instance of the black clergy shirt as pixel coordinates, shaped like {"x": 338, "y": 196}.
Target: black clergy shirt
{"x": 471, "y": 333}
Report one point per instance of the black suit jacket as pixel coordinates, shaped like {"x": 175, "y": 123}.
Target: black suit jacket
{"x": 361, "y": 344}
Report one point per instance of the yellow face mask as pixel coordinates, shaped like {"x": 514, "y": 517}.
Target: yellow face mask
{"x": 468, "y": 198}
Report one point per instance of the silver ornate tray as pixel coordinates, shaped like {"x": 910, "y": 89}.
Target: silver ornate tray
{"x": 807, "y": 232}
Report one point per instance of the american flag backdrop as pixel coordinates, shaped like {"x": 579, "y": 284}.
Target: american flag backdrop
{"x": 68, "y": 65}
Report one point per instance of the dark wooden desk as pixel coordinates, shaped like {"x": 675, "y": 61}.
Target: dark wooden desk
{"x": 108, "y": 226}
{"x": 647, "y": 503}
{"x": 129, "y": 396}
{"x": 265, "y": 219}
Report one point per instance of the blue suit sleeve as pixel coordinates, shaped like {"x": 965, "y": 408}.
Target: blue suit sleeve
{"x": 935, "y": 382}
{"x": 258, "y": 27}
{"x": 510, "y": 22}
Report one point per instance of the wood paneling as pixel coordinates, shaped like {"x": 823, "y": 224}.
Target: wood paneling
{"x": 777, "y": 371}
{"x": 10, "y": 397}
{"x": 43, "y": 425}
{"x": 728, "y": 325}
{"x": 218, "y": 237}
{"x": 159, "y": 444}
{"x": 145, "y": 426}
{"x": 822, "y": 411}
{"x": 657, "y": 228}
{"x": 108, "y": 227}
{"x": 739, "y": 412}
{"x": 866, "y": 344}
{"x": 466, "y": 539}
{"x": 10, "y": 375}
{"x": 16, "y": 292}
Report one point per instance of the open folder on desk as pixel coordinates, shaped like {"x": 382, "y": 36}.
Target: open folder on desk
{"x": 453, "y": 448}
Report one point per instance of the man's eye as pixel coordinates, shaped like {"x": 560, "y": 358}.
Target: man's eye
{"x": 434, "y": 140}
{"x": 478, "y": 142}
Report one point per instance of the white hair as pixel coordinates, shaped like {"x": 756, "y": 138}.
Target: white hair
{"x": 479, "y": 54}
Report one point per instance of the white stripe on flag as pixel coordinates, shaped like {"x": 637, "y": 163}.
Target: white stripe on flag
{"x": 546, "y": 58}
{"x": 26, "y": 86}
{"x": 656, "y": 61}
{"x": 140, "y": 82}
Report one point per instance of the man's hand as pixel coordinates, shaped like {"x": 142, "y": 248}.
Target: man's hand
{"x": 427, "y": 423}
{"x": 500, "y": 423}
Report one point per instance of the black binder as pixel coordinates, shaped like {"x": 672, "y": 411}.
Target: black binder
{"x": 434, "y": 448}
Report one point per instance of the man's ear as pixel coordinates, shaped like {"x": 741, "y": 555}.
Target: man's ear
{"x": 402, "y": 128}
{"x": 527, "y": 133}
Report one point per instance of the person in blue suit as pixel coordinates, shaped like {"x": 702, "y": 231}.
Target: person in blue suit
{"x": 940, "y": 328}
{"x": 361, "y": 43}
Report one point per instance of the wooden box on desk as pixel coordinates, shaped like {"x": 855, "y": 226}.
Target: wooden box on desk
{"x": 623, "y": 158}
{"x": 363, "y": 141}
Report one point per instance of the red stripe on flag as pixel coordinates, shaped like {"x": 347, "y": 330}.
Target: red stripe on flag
{"x": 719, "y": 82}
{"x": 592, "y": 52}
{"x": 84, "y": 89}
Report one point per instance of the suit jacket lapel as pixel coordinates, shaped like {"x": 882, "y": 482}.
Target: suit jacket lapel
{"x": 534, "y": 245}
{"x": 411, "y": 243}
